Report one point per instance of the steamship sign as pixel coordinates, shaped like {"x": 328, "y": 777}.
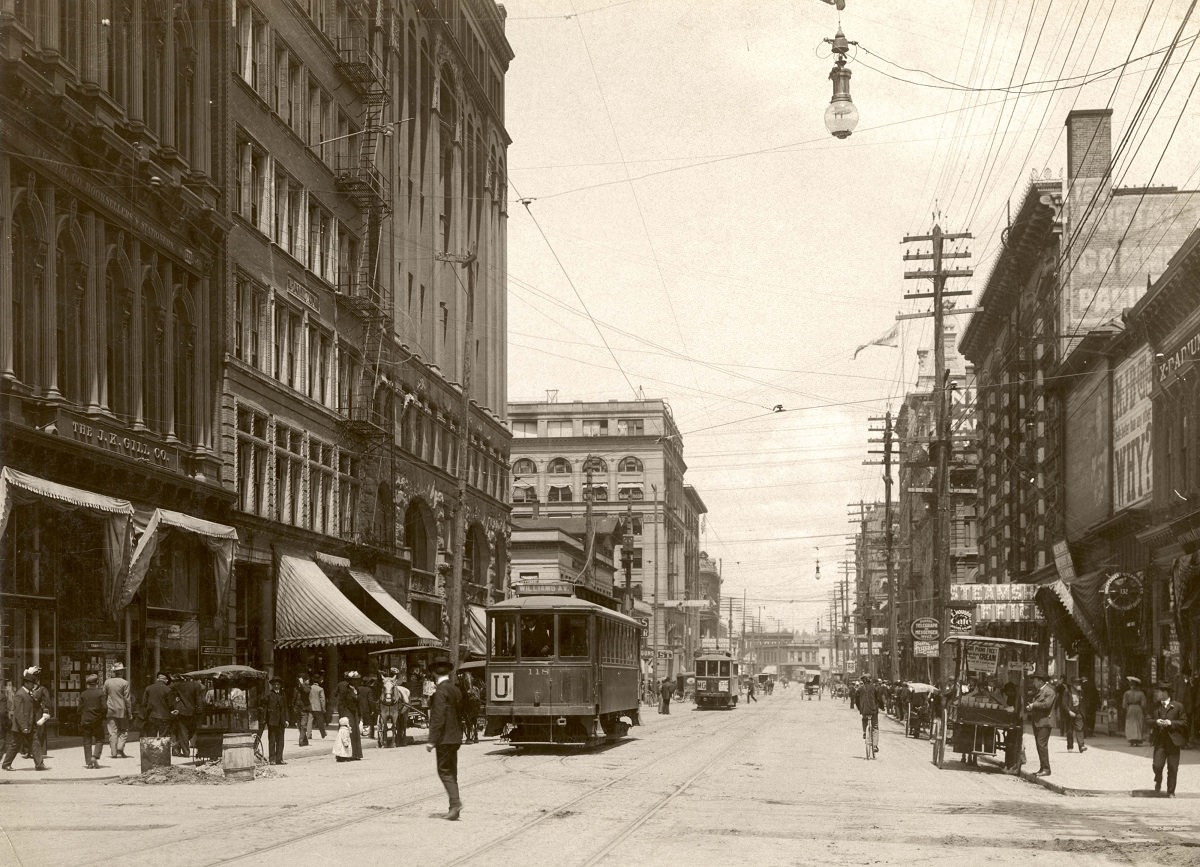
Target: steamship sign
{"x": 1122, "y": 591}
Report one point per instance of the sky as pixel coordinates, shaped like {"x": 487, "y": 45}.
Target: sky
{"x": 682, "y": 226}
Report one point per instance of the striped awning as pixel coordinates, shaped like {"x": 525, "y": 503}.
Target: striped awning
{"x": 392, "y": 606}
{"x": 311, "y": 612}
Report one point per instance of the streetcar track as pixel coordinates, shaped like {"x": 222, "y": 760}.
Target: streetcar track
{"x": 557, "y": 812}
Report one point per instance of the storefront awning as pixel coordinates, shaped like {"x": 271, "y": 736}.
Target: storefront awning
{"x": 392, "y": 606}
{"x": 1079, "y": 600}
{"x": 477, "y": 630}
{"x": 311, "y": 612}
{"x": 220, "y": 539}
{"x": 19, "y": 488}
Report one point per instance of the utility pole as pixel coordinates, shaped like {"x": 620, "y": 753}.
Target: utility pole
{"x": 889, "y": 543}
{"x": 656, "y": 602}
{"x": 866, "y": 605}
{"x": 940, "y": 445}
{"x": 627, "y": 558}
{"x": 454, "y": 592}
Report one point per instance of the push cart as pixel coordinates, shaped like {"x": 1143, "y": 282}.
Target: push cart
{"x": 987, "y": 718}
{"x": 230, "y": 709}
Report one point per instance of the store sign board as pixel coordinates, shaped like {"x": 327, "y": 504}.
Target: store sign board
{"x": 982, "y": 658}
{"x": 114, "y": 439}
{"x": 925, "y": 648}
{"x": 962, "y": 620}
{"x": 925, "y": 629}
{"x": 1131, "y": 415}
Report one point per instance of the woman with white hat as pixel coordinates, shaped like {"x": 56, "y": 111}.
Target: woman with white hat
{"x": 1134, "y": 702}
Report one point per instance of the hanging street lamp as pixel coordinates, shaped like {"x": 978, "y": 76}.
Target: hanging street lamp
{"x": 841, "y": 116}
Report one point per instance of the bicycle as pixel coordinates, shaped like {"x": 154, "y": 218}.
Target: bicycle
{"x": 869, "y": 737}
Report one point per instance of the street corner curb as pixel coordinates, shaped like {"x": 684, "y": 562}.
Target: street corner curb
{"x": 1074, "y": 793}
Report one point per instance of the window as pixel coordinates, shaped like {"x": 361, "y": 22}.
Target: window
{"x": 320, "y": 486}
{"x": 250, "y": 304}
{"x": 558, "y": 428}
{"x": 637, "y": 558}
{"x": 573, "y": 635}
{"x": 347, "y": 494}
{"x": 524, "y": 467}
{"x": 629, "y": 427}
{"x": 503, "y": 636}
{"x": 289, "y": 205}
{"x": 251, "y": 186}
{"x": 630, "y": 465}
{"x": 250, "y": 31}
{"x": 596, "y": 465}
{"x": 289, "y": 469}
{"x": 524, "y": 494}
{"x": 559, "y": 466}
{"x": 320, "y": 234}
{"x": 595, "y": 427}
{"x": 289, "y": 336}
{"x": 524, "y": 429}
{"x": 320, "y": 350}
{"x": 559, "y": 494}
{"x": 630, "y": 492}
{"x": 599, "y": 493}
{"x": 537, "y": 636}
{"x": 252, "y": 461}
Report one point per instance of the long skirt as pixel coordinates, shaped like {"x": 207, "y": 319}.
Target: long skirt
{"x": 1133, "y": 723}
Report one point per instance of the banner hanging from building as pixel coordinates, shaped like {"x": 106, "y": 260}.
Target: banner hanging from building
{"x": 1132, "y": 409}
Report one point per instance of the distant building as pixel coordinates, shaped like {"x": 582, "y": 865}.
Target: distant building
{"x": 626, "y": 457}
{"x": 557, "y": 551}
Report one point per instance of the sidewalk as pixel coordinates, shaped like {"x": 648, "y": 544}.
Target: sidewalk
{"x": 1110, "y": 767}
{"x": 65, "y": 759}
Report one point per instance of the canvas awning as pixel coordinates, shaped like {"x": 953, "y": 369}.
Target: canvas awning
{"x": 311, "y": 612}
{"x": 1080, "y": 600}
{"x": 392, "y": 606}
{"x": 220, "y": 539}
{"x": 19, "y": 488}
{"x": 477, "y": 630}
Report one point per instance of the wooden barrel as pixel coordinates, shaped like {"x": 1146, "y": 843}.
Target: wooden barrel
{"x": 237, "y": 755}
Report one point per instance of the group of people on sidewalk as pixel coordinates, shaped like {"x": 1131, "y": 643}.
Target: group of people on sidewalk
{"x": 1165, "y": 718}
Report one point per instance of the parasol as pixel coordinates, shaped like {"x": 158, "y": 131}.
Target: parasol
{"x": 228, "y": 672}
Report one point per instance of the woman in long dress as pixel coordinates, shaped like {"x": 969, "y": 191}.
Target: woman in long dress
{"x": 1134, "y": 702}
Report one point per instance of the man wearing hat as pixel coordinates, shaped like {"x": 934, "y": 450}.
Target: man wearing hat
{"x": 445, "y": 730}
{"x": 1041, "y": 712}
{"x": 91, "y": 721}
{"x": 275, "y": 721}
{"x": 28, "y": 715}
{"x": 118, "y": 710}
{"x": 1168, "y": 732}
{"x": 158, "y": 712}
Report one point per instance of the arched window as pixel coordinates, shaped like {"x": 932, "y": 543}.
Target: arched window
{"x": 559, "y": 467}
{"x": 118, "y": 307}
{"x": 27, "y": 299}
{"x": 70, "y": 321}
{"x": 184, "y": 347}
{"x": 152, "y": 358}
{"x": 384, "y": 528}
{"x": 596, "y": 465}
{"x": 524, "y": 467}
{"x": 630, "y": 465}
{"x": 418, "y": 521}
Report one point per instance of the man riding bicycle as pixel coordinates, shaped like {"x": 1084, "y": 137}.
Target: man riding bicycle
{"x": 870, "y": 699}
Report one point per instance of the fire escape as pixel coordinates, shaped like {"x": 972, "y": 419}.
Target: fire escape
{"x": 368, "y": 411}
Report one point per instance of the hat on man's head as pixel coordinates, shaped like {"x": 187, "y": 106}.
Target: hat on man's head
{"x": 1132, "y": 679}
{"x": 93, "y": 678}
{"x": 118, "y": 666}
{"x": 1165, "y": 686}
{"x": 1040, "y": 675}
{"x": 441, "y": 665}
{"x": 32, "y": 673}
{"x": 276, "y": 680}
{"x": 351, "y": 674}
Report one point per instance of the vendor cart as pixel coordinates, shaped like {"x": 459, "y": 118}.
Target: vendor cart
{"x": 916, "y": 711}
{"x": 985, "y": 716}
{"x": 230, "y": 709}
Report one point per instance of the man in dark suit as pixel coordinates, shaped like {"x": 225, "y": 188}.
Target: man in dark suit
{"x": 1041, "y": 714}
{"x": 445, "y": 730}
{"x": 158, "y": 711}
{"x": 275, "y": 720}
{"x": 27, "y": 715}
{"x": 1168, "y": 732}
{"x": 189, "y": 697}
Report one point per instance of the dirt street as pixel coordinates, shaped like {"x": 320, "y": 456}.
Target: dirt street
{"x": 783, "y": 781}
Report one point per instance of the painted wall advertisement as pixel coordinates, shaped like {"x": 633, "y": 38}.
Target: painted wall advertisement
{"x": 1131, "y": 414}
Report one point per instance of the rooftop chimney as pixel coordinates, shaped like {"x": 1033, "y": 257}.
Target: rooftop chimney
{"x": 1089, "y": 143}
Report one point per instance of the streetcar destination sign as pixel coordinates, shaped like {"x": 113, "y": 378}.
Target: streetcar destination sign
{"x": 925, "y": 629}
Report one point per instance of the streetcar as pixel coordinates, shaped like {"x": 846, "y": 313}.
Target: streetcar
{"x": 561, "y": 671}
{"x": 716, "y": 681}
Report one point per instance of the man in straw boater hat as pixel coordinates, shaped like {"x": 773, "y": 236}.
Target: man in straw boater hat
{"x": 118, "y": 702}
{"x": 445, "y": 730}
{"x": 1168, "y": 732}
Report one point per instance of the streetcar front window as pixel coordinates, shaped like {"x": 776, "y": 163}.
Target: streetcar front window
{"x": 724, "y": 669}
{"x": 504, "y": 636}
{"x": 573, "y": 635}
{"x": 537, "y": 636}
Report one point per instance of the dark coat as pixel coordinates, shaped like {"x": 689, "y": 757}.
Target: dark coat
{"x": 445, "y": 715}
{"x": 276, "y": 708}
{"x": 189, "y": 696}
{"x": 92, "y": 706}
{"x": 870, "y": 699}
{"x": 345, "y": 698}
{"x": 1174, "y": 714}
{"x": 157, "y": 701}
{"x": 26, "y": 710}
{"x": 1041, "y": 709}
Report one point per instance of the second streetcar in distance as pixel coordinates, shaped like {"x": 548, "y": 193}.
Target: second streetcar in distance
{"x": 561, "y": 670}
{"x": 716, "y": 681}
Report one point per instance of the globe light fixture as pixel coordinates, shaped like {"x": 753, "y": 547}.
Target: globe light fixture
{"x": 841, "y": 116}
